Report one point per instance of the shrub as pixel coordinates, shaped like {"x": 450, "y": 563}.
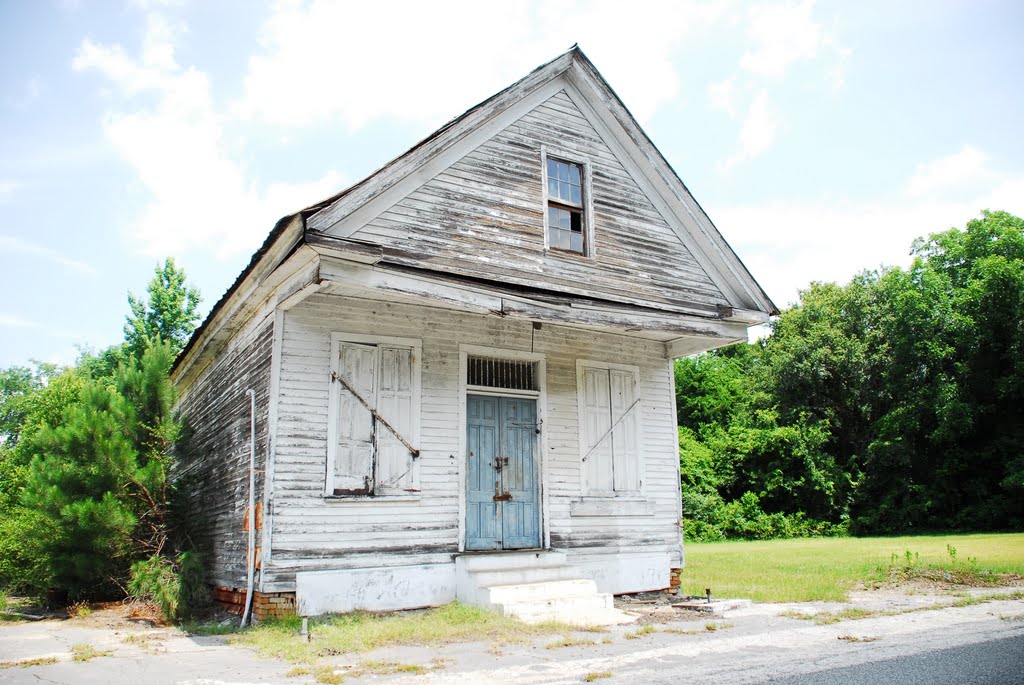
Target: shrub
{"x": 176, "y": 586}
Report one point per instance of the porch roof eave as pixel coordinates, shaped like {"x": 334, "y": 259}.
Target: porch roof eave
{"x": 683, "y": 334}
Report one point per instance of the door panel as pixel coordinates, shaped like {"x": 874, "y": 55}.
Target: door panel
{"x": 354, "y": 463}
{"x": 520, "y": 521}
{"x": 482, "y": 522}
{"x": 501, "y": 439}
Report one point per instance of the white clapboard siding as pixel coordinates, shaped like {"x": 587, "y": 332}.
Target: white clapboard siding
{"x": 483, "y": 217}
{"x": 314, "y": 532}
{"x": 214, "y": 460}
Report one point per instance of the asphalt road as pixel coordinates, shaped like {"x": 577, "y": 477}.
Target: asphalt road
{"x": 999, "y": 662}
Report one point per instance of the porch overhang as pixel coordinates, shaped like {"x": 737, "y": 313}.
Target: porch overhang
{"x": 365, "y": 275}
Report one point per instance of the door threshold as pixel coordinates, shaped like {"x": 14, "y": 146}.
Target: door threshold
{"x": 524, "y": 550}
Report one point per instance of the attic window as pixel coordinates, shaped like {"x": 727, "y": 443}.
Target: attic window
{"x": 566, "y": 219}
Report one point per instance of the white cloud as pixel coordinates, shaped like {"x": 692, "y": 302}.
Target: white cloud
{"x": 202, "y": 198}
{"x": 9, "y": 321}
{"x": 7, "y": 189}
{"x": 12, "y": 245}
{"x": 952, "y": 172}
{"x": 787, "y": 246}
{"x": 782, "y": 34}
{"x": 319, "y": 61}
{"x": 757, "y": 134}
{"x": 723, "y": 97}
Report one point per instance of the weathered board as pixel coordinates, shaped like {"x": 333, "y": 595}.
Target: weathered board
{"x": 214, "y": 460}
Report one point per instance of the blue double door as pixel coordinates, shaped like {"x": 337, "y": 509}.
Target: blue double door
{"x": 502, "y": 502}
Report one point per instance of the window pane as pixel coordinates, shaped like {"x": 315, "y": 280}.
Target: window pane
{"x": 574, "y": 194}
{"x": 563, "y": 171}
{"x": 574, "y": 174}
{"x": 552, "y": 169}
{"x": 553, "y": 217}
{"x": 576, "y": 219}
{"x": 552, "y": 187}
{"x": 576, "y": 242}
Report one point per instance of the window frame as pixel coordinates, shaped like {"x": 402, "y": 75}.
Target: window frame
{"x": 588, "y": 489}
{"x": 586, "y": 208}
{"x": 334, "y": 409}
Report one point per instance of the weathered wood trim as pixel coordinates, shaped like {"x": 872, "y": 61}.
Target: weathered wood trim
{"x": 465, "y": 351}
{"x": 671, "y": 366}
{"x": 354, "y": 278}
{"x": 274, "y": 401}
{"x": 745, "y": 316}
{"x": 623, "y": 320}
{"x": 684, "y": 346}
{"x": 357, "y": 279}
{"x": 611, "y": 507}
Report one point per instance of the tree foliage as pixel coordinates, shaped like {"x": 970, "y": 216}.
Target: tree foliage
{"x": 98, "y": 474}
{"x": 85, "y": 454}
{"x": 169, "y": 314}
{"x": 894, "y": 403}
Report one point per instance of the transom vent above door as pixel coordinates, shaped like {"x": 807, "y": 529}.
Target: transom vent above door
{"x": 506, "y": 374}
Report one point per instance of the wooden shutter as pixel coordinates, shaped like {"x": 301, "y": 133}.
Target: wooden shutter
{"x": 597, "y": 421}
{"x": 395, "y": 405}
{"x": 625, "y": 459}
{"x": 353, "y": 464}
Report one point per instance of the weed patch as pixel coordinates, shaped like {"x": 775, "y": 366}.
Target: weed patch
{"x": 362, "y": 632}
{"x": 858, "y": 638}
{"x": 597, "y": 675}
{"x": 86, "y": 652}
{"x": 25, "y": 663}
{"x": 570, "y": 641}
{"x": 640, "y": 632}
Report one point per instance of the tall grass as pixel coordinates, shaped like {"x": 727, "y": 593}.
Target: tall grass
{"x": 828, "y": 568}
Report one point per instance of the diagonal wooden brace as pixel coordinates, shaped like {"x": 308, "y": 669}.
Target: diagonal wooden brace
{"x": 377, "y": 417}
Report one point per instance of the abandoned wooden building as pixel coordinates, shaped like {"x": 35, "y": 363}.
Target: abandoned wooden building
{"x": 461, "y": 370}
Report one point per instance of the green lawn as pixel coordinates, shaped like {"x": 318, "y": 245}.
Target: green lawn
{"x": 827, "y": 568}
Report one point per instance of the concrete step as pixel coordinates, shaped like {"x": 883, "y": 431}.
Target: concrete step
{"x": 583, "y": 611}
{"x": 521, "y": 576}
{"x": 578, "y": 588}
{"x": 505, "y": 561}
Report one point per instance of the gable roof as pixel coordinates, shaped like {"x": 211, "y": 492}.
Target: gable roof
{"x": 721, "y": 261}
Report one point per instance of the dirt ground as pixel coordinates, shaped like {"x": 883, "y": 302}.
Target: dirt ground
{"x": 753, "y": 643}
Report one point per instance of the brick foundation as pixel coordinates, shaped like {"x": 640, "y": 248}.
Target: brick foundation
{"x": 674, "y": 581}
{"x": 264, "y": 604}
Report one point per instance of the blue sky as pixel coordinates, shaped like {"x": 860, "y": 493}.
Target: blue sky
{"x": 821, "y": 138}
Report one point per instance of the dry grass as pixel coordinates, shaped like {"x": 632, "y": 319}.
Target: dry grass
{"x": 363, "y": 632}
{"x": 597, "y": 675}
{"x": 25, "y": 663}
{"x": 338, "y": 674}
{"x": 86, "y": 652}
